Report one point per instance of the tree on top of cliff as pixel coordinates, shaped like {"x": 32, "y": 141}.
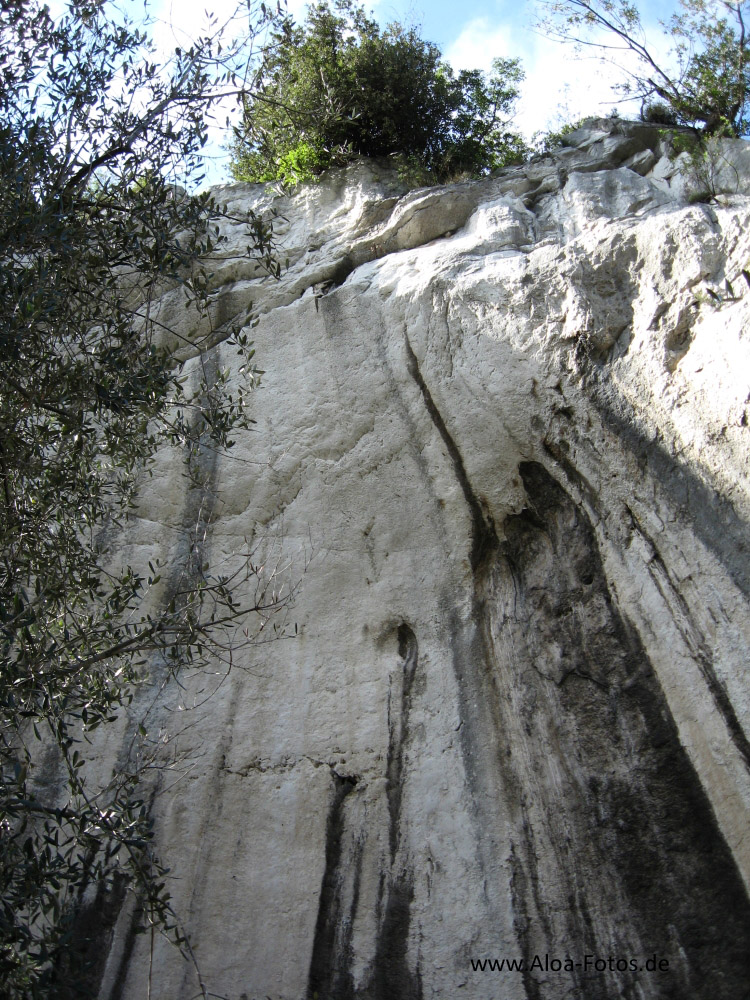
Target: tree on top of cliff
{"x": 707, "y": 82}
{"x": 94, "y": 135}
{"x": 338, "y": 87}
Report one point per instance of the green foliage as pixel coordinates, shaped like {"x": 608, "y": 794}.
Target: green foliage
{"x": 303, "y": 163}
{"x": 658, "y": 113}
{"x": 703, "y": 161}
{"x": 555, "y": 139}
{"x": 338, "y": 87}
{"x": 92, "y": 228}
{"x": 713, "y": 90}
{"x": 707, "y": 89}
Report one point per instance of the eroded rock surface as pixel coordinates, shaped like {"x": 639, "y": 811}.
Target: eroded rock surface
{"x": 502, "y": 447}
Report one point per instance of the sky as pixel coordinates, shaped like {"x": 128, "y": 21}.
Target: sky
{"x": 560, "y": 86}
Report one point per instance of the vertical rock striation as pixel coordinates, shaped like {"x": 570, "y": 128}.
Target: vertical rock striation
{"x": 502, "y": 448}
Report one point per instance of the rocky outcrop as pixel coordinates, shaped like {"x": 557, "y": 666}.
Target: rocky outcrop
{"x": 501, "y": 450}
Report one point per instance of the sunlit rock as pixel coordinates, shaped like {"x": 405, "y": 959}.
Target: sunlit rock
{"x": 501, "y": 452}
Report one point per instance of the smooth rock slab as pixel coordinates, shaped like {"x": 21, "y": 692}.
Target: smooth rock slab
{"x": 501, "y": 448}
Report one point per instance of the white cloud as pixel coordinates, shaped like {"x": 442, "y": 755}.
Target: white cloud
{"x": 478, "y": 44}
{"x": 179, "y": 24}
{"x": 561, "y": 87}
{"x": 561, "y": 84}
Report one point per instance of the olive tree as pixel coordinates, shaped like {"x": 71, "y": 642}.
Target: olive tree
{"x": 99, "y": 142}
{"x": 705, "y": 85}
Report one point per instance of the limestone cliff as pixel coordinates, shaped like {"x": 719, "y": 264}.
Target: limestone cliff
{"x": 502, "y": 451}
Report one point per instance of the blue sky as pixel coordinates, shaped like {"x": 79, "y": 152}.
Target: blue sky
{"x": 559, "y": 86}
{"x": 444, "y": 21}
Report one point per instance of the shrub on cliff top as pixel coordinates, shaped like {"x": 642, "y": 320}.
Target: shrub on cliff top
{"x": 338, "y": 87}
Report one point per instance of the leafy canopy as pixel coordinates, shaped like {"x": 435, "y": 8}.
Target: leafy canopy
{"x": 338, "y": 87}
{"x": 705, "y": 86}
{"x": 94, "y": 135}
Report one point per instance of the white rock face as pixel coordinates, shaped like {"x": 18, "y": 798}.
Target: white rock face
{"x": 502, "y": 450}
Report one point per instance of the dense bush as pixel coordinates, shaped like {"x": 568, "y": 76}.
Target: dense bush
{"x": 338, "y": 87}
